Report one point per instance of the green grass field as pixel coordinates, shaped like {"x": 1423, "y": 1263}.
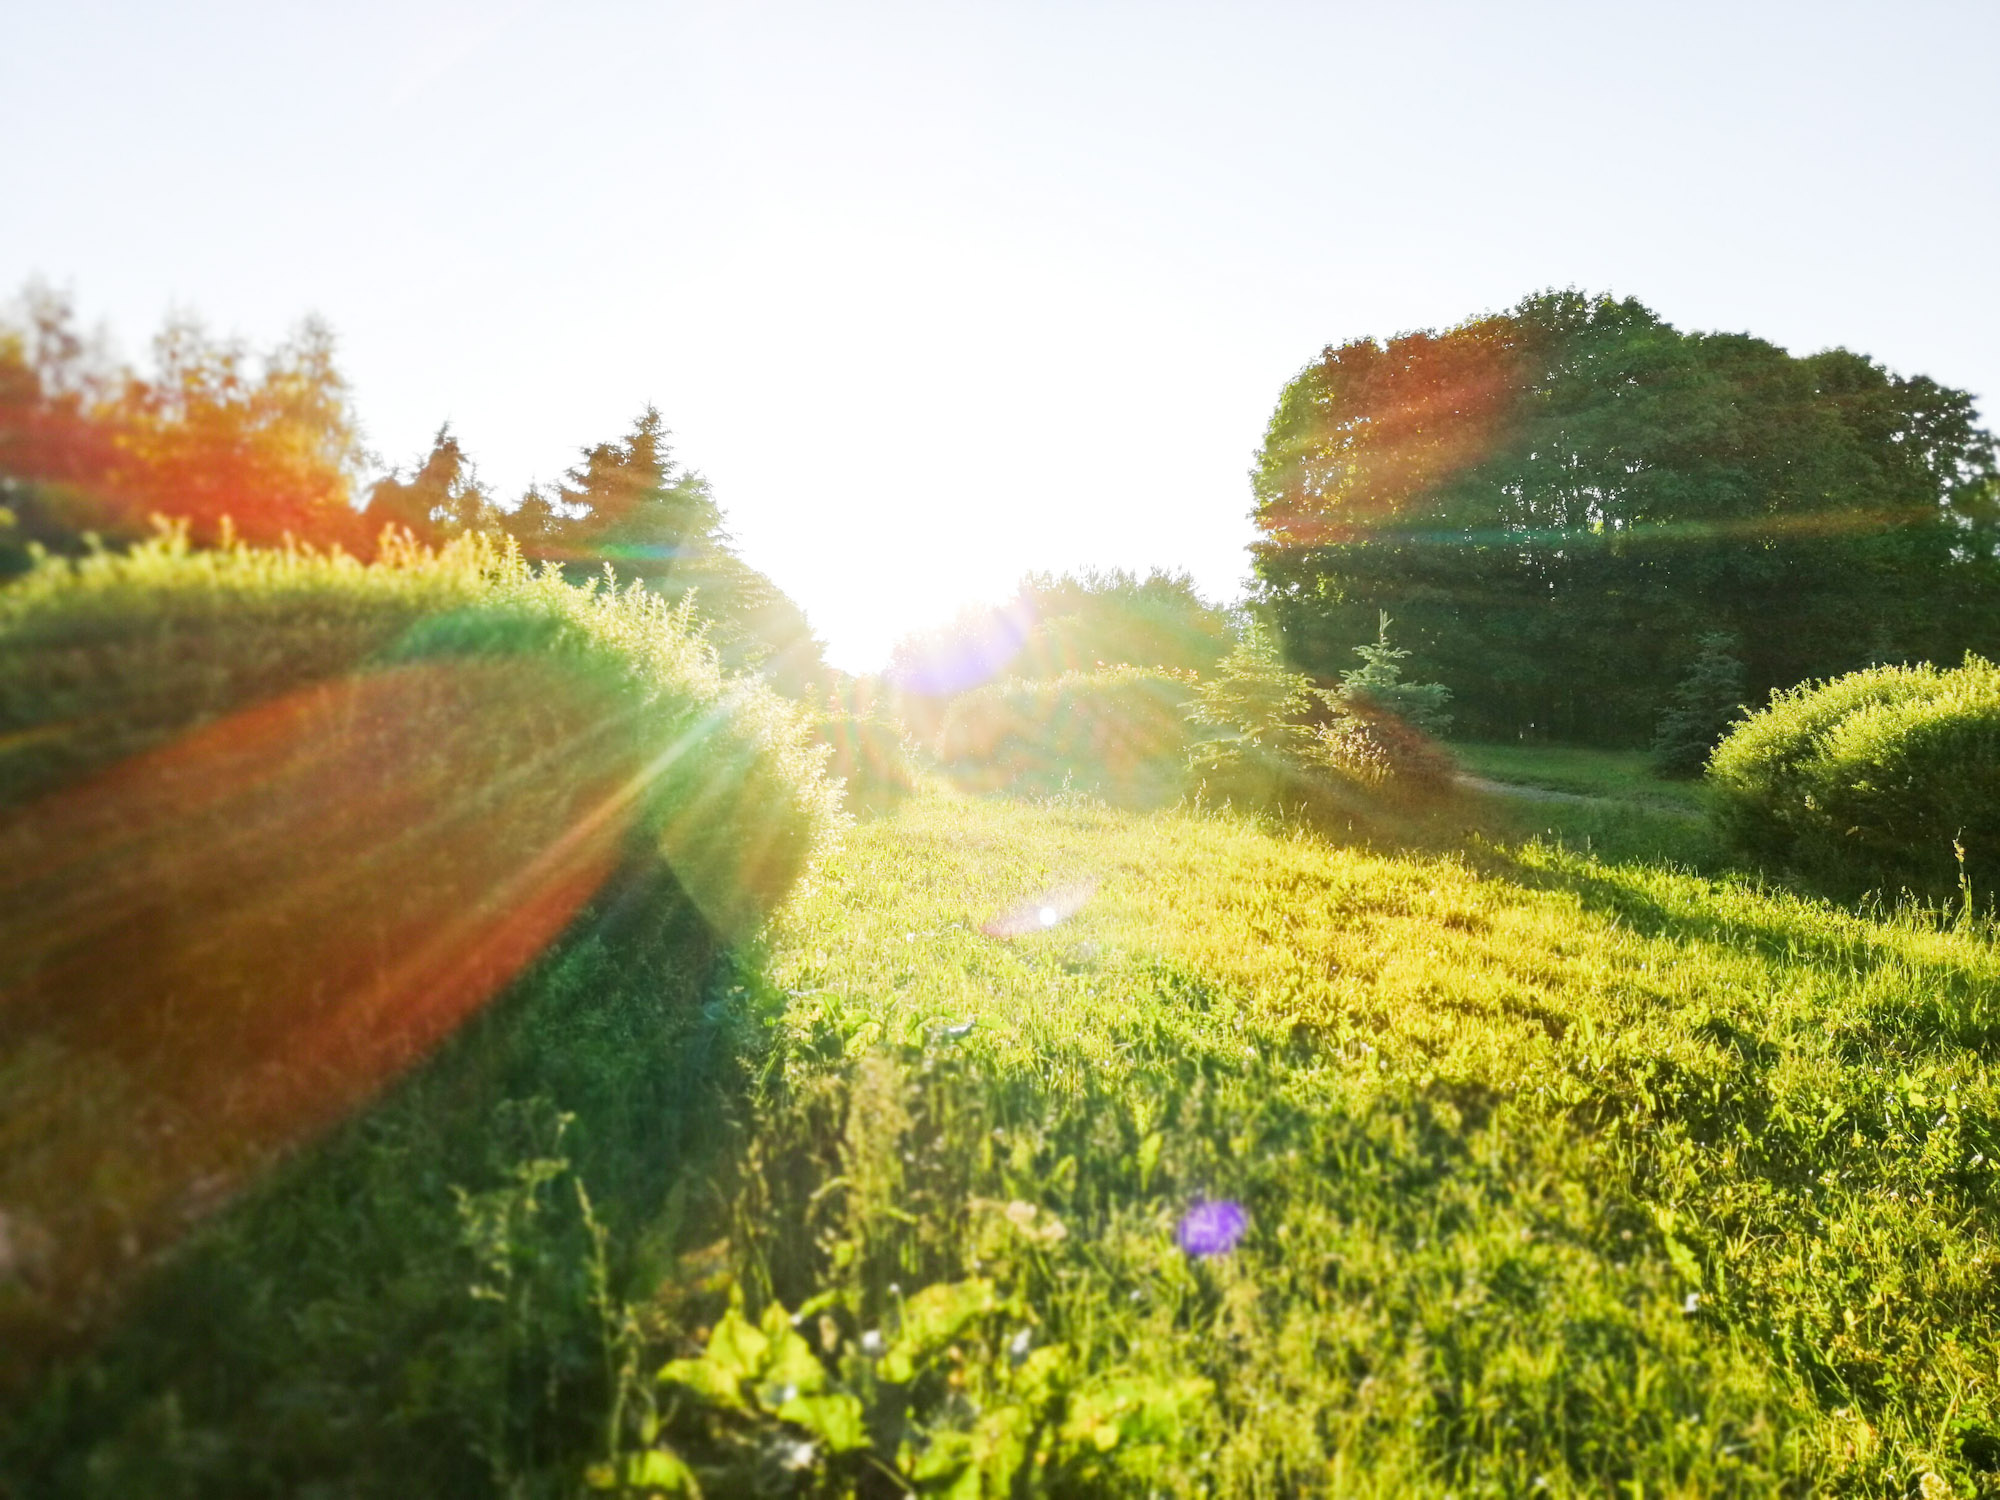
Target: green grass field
{"x": 1619, "y": 774}
{"x": 1571, "y": 1162}
{"x": 1562, "y": 1176}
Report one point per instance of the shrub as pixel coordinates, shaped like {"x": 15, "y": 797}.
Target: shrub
{"x": 1870, "y": 780}
{"x": 1121, "y": 732}
{"x": 1383, "y": 751}
{"x": 274, "y": 823}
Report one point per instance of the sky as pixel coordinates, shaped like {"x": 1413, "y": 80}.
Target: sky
{"x": 936, "y": 294}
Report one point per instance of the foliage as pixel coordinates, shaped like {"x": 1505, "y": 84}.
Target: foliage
{"x": 1378, "y": 684}
{"x": 275, "y": 823}
{"x": 1053, "y": 627}
{"x": 1886, "y": 779}
{"x": 1120, "y": 731}
{"x": 429, "y": 1300}
{"x": 1383, "y": 750}
{"x": 267, "y": 449}
{"x": 1253, "y": 697}
{"x": 1708, "y": 700}
{"x": 1107, "y": 618}
{"x": 1557, "y": 501}
{"x": 1561, "y": 1176}
{"x": 221, "y": 439}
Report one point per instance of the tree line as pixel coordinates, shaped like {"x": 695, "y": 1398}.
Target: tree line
{"x": 1565, "y": 505}
{"x": 227, "y": 442}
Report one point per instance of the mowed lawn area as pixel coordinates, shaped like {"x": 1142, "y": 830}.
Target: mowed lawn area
{"x": 1561, "y": 1175}
{"x": 1616, "y": 774}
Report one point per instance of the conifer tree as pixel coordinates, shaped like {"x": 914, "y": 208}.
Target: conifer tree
{"x": 1378, "y": 683}
{"x": 1704, "y": 705}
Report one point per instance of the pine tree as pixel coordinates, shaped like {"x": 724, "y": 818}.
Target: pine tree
{"x": 1378, "y": 684}
{"x": 1704, "y": 705}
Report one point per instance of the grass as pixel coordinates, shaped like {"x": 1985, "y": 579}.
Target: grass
{"x": 1572, "y": 1164}
{"x": 1617, "y": 774}
{"x": 1562, "y": 1175}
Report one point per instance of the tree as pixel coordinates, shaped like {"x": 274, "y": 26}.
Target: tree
{"x": 216, "y": 435}
{"x": 1378, "y": 684}
{"x": 630, "y": 504}
{"x": 1707, "y": 701}
{"x": 213, "y": 434}
{"x": 1557, "y": 501}
{"x": 443, "y": 498}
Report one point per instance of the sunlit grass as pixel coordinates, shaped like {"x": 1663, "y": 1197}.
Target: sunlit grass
{"x": 1559, "y": 1174}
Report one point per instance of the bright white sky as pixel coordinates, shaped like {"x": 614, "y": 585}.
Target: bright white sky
{"x": 938, "y": 293}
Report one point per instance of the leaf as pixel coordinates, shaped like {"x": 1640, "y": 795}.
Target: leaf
{"x": 1149, "y": 1160}
{"x": 706, "y": 1380}
{"x": 835, "y": 1420}
{"x": 792, "y": 1363}
{"x": 934, "y": 1317}
{"x": 1143, "y": 1409}
{"x": 660, "y": 1469}
{"x": 736, "y": 1348}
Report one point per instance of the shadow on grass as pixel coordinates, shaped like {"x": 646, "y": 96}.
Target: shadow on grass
{"x": 418, "y": 1303}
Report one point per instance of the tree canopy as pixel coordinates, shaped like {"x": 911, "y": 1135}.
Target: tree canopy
{"x": 1558, "y": 502}
{"x": 218, "y": 438}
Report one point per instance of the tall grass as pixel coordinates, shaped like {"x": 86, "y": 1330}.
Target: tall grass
{"x": 1561, "y": 1176}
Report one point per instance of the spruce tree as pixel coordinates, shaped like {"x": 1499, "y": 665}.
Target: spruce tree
{"x": 1704, "y": 705}
{"x": 1378, "y": 684}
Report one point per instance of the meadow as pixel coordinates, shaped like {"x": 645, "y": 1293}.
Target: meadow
{"x": 1561, "y": 1175}
{"x": 457, "y": 1037}
{"x": 1538, "y": 1169}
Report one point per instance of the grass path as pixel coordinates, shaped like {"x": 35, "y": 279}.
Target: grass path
{"x": 1561, "y": 1176}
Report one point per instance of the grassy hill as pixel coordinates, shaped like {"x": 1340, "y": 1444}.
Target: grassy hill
{"x": 1561, "y": 1175}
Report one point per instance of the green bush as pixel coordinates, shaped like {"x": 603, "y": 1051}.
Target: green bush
{"x": 1121, "y": 732}
{"x": 1383, "y": 751}
{"x": 1873, "y": 781}
{"x": 275, "y": 824}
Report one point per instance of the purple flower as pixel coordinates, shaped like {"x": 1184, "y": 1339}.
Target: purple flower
{"x": 1212, "y": 1228}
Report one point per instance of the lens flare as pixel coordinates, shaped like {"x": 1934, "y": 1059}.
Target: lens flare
{"x": 1041, "y": 912}
{"x": 214, "y": 950}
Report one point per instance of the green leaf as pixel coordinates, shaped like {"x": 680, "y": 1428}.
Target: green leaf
{"x": 835, "y": 1420}
{"x": 736, "y": 1348}
{"x": 1149, "y": 1160}
{"x": 659, "y": 1469}
{"x": 933, "y": 1318}
{"x": 791, "y": 1362}
{"x": 706, "y": 1380}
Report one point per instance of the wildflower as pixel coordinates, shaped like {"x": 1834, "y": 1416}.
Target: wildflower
{"x": 799, "y": 1455}
{"x": 1693, "y": 1302}
{"x": 1212, "y": 1228}
{"x": 873, "y": 1344}
{"x": 1019, "y": 1345}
